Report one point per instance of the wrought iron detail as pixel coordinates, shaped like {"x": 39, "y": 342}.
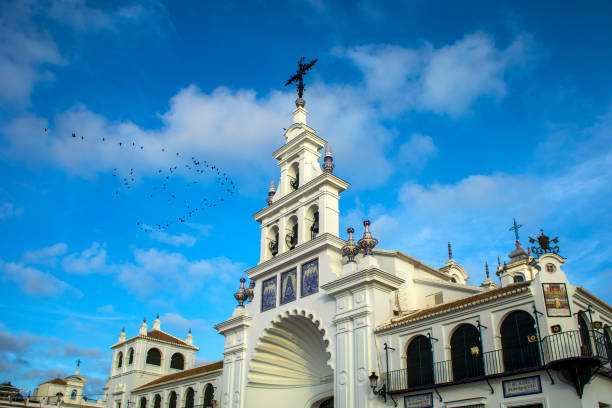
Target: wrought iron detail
{"x": 367, "y": 243}
{"x": 545, "y": 246}
{"x": 350, "y": 250}
{"x": 298, "y": 78}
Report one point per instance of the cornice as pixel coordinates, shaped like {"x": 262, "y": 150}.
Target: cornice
{"x": 306, "y": 134}
{"x": 413, "y": 261}
{"x": 370, "y": 276}
{"x": 323, "y": 240}
{"x": 306, "y": 188}
{"x": 590, "y": 297}
{"x": 145, "y": 337}
{"x": 242, "y": 320}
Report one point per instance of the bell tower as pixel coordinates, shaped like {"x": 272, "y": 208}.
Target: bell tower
{"x": 305, "y": 204}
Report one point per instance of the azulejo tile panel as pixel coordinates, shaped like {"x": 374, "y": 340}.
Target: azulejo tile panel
{"x": 268, "y": 294}
{"x": 288, "y": 284}
{"x": 310, "y": 277}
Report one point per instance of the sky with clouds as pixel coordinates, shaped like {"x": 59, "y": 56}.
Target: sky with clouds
{"x": 448, "y": 120}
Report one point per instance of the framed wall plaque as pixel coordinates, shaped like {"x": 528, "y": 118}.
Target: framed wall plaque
{"x": 310, "y": 277}
{"x": 288, "y": 286}
{"x": 557, "y": 302}
{"x": 522, "y": 386}
{"x": 268, "y": 294}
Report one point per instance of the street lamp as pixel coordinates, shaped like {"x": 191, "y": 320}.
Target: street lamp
{"x": 382, "y": 391}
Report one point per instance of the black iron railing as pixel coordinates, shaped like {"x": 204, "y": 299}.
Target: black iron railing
{"x": 530, "y": 356}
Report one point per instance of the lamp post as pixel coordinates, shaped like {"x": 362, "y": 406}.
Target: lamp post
{"x": 382, "y": 391}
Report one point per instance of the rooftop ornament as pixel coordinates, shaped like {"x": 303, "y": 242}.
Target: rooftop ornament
{"x": 298, "y": 78}
{"x": 544, "y": 244}
{"x": 271, "y": 192}
{"x": 367, "y": 243}
{"x": 242, "y": 295}
{"x": 350, "y": 249}
{"x": 328, "y": 160}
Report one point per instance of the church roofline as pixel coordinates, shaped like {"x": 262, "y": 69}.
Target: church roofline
{"x": 582, "y": 292}
{"x": 411, "y": 260}
{"x": 451, "y": 285}
{"x": 321, "y": 178}
{"x": 159, "y": 336}
{"x": 455, "y": 305}
{"x": 186, "y": 374}
{"x": 299, "y": 251}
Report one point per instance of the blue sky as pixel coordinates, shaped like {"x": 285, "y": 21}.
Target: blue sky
{"x": 447, "y": 119}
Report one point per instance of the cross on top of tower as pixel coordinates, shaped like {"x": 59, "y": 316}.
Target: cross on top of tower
{"x": 515, "y": 227}
{"x": 298, "y": 78}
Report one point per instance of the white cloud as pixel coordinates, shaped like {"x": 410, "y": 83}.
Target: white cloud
{"x": 9, "y": 210}
{"x": 45, "y": 256}
{"x": 91, "y": 260}
{"x": 157, "y": 272}
{"x": 36, "y": 282}
{"x": 179, "y": 322}
{"x": 446, "y": 80}
{"x": 416, "y": 151}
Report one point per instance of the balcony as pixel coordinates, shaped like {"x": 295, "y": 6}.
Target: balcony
{"x": 554, "y": 351}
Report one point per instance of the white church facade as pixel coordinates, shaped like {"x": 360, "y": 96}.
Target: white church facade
{"x": 332, "y": 322}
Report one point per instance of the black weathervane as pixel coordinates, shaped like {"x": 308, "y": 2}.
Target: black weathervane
{"x": 299, "y": 75}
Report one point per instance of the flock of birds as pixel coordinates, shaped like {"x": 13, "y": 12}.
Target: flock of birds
{"x": 170, "y": 184}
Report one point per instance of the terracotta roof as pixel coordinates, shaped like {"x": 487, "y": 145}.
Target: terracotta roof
{"x": 217, "y": 365}
{"x": 457, "y": 304}
{"x": 162, "y": 336}
{"x": 56, "y": 381}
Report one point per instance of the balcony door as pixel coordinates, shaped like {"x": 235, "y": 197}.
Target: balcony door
{"x": 466, "y": 353}
{"x": 519, "y": 338}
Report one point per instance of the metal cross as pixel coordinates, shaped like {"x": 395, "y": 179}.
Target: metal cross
{"x": 515, "y": 227}
{"x": 78, "y": 363}
{"x": 298, "y": 78}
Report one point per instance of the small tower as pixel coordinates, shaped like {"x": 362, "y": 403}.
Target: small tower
{"x": 518, "y": 269}
{"x": 488, "y": 283}
{"x": 453, "y": 270}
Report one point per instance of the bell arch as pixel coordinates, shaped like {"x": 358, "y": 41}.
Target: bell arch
{"x": 294, "y": 357}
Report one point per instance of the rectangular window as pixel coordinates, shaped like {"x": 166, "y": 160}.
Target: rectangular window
{"x": 268, "y": 294}
{"x": 310, "y": 277}
{"x": 434, "y": 299}
{"x": 288, "y": 286}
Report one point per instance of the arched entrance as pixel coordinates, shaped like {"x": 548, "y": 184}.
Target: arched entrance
{"x": 291, "y": 363}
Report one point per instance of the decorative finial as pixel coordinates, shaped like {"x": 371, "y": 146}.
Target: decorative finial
{"x": 144, "y": 320}
{"x": 487, "y": 269}
{"x": 78, "y": 363}
{"x": 298, "y": 78}
{"x": 157, "y": 316}
{"x": 241, "y": 295}
{"x": 498, "y": 261}
{"x": 271, "y": 192}
{"x": 544, "y": 242}
{"x": 450, "y": 252}
{"x": 123, "y": 330}
{"x": 515, "y": 227}
{"x": 251, "y": 290}
{"x": 367, "y": 243}
{"x": 328, "y": 160}
{"x": 350, "y": 250}
{"x": 190, "y": 330}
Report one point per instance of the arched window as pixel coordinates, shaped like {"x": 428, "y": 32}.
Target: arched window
{"x": 519, "y": 338}
{"x": 291, "y": 232}
{"x": 189, "y": 397}
{"x": 466, "y": 353}
{"x": 157, "y": 401}
{"x": 73, "y": 394}
{"x": 130, "y": 356}
{"x": 143, "y": 403}
{"x": 177, "y": 361}
{"x": 294, "y": 176}
{"x": 208, "y": 395}
{"x": 311, "y": 221}
{"x": 273, "y": 240}
{"x": 585, "y": 334}
{"x": 608, "y": 341}
{"x": 154, "y": 357}
{"x": 454, "y": 280}
{"x": 419, "y": 362}
{"x": 518, "y": 278}
{"x": 172, "y": 400}
{"x": 120, "y": 359}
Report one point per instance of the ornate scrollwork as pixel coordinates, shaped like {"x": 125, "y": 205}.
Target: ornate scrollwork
{"x": 544, "y": 244}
